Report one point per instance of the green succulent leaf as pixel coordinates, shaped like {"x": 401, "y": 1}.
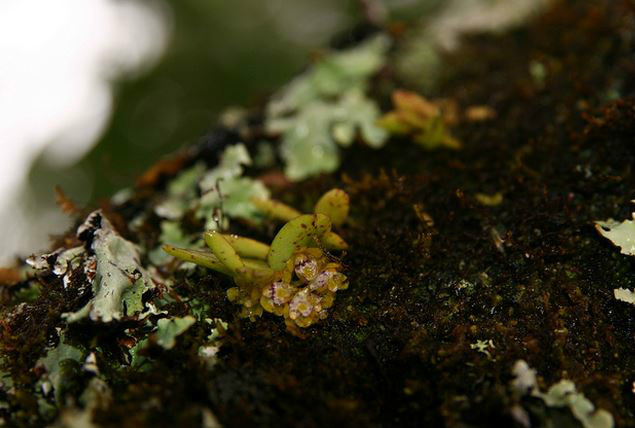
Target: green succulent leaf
{"x": 333, "y": 241}
{"x": 223, "y": 250}
{"x": 275, "y": 209}
{"x": 200, "y": 257}
{"x": 303, "y": 231}
{"x": 334, "y": 204}
{"x": 246, "y": 247}
{"x": 261, "y": 267}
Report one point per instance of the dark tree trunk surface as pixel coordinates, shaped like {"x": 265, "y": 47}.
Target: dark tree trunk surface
{"x": 396, "y": 349}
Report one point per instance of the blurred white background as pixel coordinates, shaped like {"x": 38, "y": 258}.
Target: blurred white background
{"x": 57, "y": 61}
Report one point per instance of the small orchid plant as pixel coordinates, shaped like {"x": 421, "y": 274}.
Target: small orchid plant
{"x": 293, "y": 277}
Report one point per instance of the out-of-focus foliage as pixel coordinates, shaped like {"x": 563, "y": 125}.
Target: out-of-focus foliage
{"x": 169, "y": 329}
{"x": 54, "y": 363}
{"x": 425, "y": 120}
{"x": 219, "y": 55}
{"x": 561, "y": 394}
{"x": 327, "y": 106}
{"x": 224, "y": 186}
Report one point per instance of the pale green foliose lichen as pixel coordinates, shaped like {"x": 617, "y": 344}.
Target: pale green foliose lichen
{"x": 561, "y": 394}
{"x": 564, "y": 394}
{"x": 169, "y": 328}
{"x": 181, "y": 191}
{"x": 181, "y": 195}
{"x": 483, "y": 346}
{"x": 96, "y": 394}
{"x": 110, "y": 263}
{"x": 334, "y": 74}
{"x": 136, "y": 360}
{"x": 117, "y": 276}
{"x": 624, "y": 295}
{"x": 6, "y": 381}
{"x": 621, "y": 234}
{"x": 65, "y": 262}
{"x": 419, "y": 59}
{"x": 172, "y": 234}
{"x": 327, "y": 106}
{"x": 224, "y": 188}
{"x": 53, "y": 363}
{"x": 265, "y": 156}
{"x": 215, "y": 196}
{"x": 219, "y": 327}
{"x": 230, "y": 166}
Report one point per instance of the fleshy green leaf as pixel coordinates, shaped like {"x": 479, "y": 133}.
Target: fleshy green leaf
{"x": 335, "y": 205}
{"x": 247, "y": 247}
{"x": 303, "y": 231}
{"x": 200, "y": 257}
{"x": 275, "y": 209}
{"x": 421, "y": 118}
{"x": 333, "y": 241}
{"x": 223, "y": 250}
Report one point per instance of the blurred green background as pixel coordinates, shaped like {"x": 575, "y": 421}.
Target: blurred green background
{"x": 220, "y": 54}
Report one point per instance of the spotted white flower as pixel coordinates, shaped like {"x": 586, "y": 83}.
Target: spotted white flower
{"x": 276, "y": 295}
